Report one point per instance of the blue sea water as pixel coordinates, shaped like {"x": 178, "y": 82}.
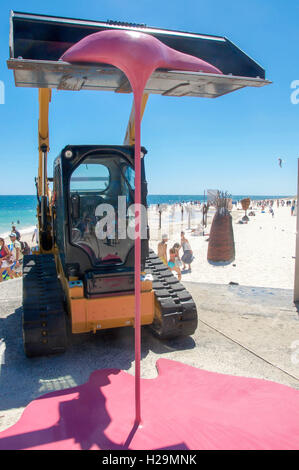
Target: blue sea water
{"x": 14, "y": 209}
{"x": 21, "y": 210}
{"x": 179, "y": 198}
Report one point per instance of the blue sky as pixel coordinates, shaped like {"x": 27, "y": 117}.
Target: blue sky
{"x": 231, "y": 143}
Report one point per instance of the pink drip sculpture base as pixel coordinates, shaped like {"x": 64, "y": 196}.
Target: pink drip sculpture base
{"x": 183, "y": 408}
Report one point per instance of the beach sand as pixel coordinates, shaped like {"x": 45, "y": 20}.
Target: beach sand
{"x": 264, "y": 247}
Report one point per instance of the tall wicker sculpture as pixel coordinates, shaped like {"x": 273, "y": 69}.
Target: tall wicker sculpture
{"x": 221, "y": 242}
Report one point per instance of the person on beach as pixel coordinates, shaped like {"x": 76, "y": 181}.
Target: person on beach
{"x": 6, "y": 260}
{"x": 172, "y": 264}
{"x": 17, "y": 248}
{"x": 35, "y": 236}
{"x": 178, "y": 261}
{"x": 14, "y": 230}
{"x": 187, "y": 257}
{"x": 162, "y": 249}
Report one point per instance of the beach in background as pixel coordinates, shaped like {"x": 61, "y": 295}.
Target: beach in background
{"x": 22, "y": 208}
{"x": 265, "y": 246}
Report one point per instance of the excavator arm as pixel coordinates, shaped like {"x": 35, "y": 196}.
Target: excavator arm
{"x": 44, "y": 98}
{"x": 43, "y": 210}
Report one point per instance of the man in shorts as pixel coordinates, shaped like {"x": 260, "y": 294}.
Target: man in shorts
{"x": 17, "y": 248}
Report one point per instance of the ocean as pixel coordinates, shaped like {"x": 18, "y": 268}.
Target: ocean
{"x": 17, "y": 210}
{"x": 21, "y": 210}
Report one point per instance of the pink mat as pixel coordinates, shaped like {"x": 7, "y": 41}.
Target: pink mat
{"x": 183, "y": 408}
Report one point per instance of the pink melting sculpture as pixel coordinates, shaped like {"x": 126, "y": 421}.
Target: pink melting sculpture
{"x": 137, "y": 55}
{"x": 183, "y": 408}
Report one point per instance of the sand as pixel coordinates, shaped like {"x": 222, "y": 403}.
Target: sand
{"x": 264, "y": 247}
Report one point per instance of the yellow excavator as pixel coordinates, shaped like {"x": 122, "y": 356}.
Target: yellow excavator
{"x": 78, "y": 281}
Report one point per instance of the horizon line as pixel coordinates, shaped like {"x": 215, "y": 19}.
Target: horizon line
{"x": 169, "y": 194}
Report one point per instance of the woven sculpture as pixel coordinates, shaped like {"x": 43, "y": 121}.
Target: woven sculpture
{"x": 221, "y": 242}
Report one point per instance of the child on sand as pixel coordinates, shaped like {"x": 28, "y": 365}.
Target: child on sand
{"x": 177, "y": 248}
{"x": 172, "y": 263}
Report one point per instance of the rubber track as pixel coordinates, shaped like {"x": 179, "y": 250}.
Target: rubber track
{"x": 44, "y": 318}
{"x": 179, "y": 314}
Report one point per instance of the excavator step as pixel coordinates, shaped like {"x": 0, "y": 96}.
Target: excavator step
{"x": 178, "y": 310}
{"x": 44, "y": 317}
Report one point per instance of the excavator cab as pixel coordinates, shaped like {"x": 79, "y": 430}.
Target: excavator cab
{"x": 93, "y": 215}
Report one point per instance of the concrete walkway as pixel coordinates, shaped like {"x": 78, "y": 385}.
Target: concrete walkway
{"x": 246, "y": 331}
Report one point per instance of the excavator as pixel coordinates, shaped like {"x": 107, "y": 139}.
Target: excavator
{"x": 78, "y": 281}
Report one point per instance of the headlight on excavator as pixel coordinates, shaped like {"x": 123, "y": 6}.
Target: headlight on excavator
{"x": 68, "y": 154}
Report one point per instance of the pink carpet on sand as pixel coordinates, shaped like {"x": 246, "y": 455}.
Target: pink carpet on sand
{"x": 183, "y": 408}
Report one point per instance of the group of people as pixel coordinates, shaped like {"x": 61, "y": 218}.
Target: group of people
{"x": 269, "y": 203}
{"x": 11, "y": 259}
{"x": 174, "y": 261}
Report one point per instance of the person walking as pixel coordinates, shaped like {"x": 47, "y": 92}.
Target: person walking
{"x": 187, "y": 257}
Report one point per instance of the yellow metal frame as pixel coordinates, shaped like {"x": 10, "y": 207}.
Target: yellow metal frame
{"x": 113, "y": 311}
{"x": 44, "y": 98}
{"x": 107, "y": 312}
{"x": 90, "y": 315}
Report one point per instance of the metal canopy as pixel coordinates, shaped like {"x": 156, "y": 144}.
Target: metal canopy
{"x": 65, "y": 76}
{"x": 37, "y": 41}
